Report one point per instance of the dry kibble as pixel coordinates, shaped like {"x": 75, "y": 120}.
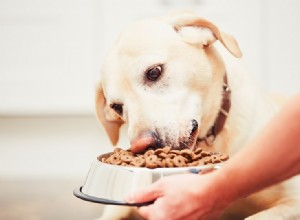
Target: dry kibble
{"x": 172, "y": 155}
{"x": 187, "y": 154}
{"x": 151, "y": 158}
{"x": 179, "y": 161}
{"x": 160, "y": 163}
{"x": 198, "y": 150}
{"x": 207, "y": 160}
{"x": 196, "y": 156}
{"x": 148, "y": 153}
{"x": 151, "y": 165}
{"x": 175, "y": 152}
{"x": 138, "y": 162}
{"x": 224, "y": 157}
{"x": 193, "y": 164}
{"x": 117, "y": 150}
{"x": 169, "y": 162}
{"x": 216, "y": 159}
{"x": 126, "y": 158}
{"x": 167, "y": 149}
{"x": 115, "y": 159}
{"x": 205, "y": 153}
{"x": 159, "y": 151}
{"x": 163, "y": 157}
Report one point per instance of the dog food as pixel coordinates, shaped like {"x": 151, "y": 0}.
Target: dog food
{"x": 163, "y": 157}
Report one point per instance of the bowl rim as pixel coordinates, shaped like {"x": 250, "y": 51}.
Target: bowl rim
{"x": 189, "y": 169}
{"x": 79, "y": 194}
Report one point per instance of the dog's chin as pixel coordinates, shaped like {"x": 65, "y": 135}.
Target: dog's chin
{"x": 187, "y": 140}
{"x": 183, "y": 142}
{"x": 187, "y": 144}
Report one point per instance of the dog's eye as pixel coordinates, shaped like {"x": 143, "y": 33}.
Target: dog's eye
{"x": 154, "y": 73}
{"x": 118, "y": 108}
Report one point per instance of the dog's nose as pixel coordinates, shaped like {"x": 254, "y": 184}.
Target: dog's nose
{"x": 145, "y": 140}
{"x": 194, "y": 126}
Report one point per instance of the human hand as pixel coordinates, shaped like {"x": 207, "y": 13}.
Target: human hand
{"x": 185, "y": 196}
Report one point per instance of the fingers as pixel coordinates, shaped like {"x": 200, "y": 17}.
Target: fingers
{"x": 153, "y": 211}
{"x": 144, "y": 211}
{"x": 148, "y": 194}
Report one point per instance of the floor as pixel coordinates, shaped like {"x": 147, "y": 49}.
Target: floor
{"x": 44, "y": 200}
{"x": 42, "y": 160}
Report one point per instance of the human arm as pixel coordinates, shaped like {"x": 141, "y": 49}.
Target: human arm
{"x": 273, "y": 156}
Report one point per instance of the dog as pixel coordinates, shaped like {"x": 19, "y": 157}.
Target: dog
{"x": 177, "y": 80}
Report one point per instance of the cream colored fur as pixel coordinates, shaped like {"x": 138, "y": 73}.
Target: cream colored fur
{"x": 195, "y": 55}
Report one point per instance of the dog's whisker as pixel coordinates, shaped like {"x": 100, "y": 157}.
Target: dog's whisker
{"x": 184, "y": 143}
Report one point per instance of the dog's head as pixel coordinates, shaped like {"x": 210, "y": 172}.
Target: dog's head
{"x": 164, "y": 78}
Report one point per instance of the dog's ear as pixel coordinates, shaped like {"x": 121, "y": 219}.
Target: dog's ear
{"x": 110, "y": 120}
{"x": 185, "y": 20}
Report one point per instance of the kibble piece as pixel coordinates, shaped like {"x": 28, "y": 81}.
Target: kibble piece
{"x": 115, "y": 159}
{"x": 169, "y": 162}
{"x": 151, "y": 158}
{"x": 167, "y": 149}
{"x": 196, "y": 156}
{"x": 171, "y": 155}
{"x": 151, "y": 161}
{"x": 151, "y": 165}
{"x": 138, "y": 162}
{"x": 186, "y": 152}
{"x": 193, "y": 164}
{"x": 205, "y": 153}
{"x": 159, "y": 151}
{"x": 126, "y": 158}
{"x": 216, "y": 159}
{"x": 124, "y": 164}
{"x": 207, "y": 160}
{"x": 159, "y": 163}
{"x": 224, "y": 157}
{"x": 148, "y": 153}
{"x": 118, "y": 150}
{"x": 163, "y": 163}
{"x": 198, "y": 150}
{"x": 163, "y": 155}
{"x": 179, "y": 161}
{"x": 176, "y": 152}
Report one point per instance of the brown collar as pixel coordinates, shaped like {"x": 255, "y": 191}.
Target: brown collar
{"x": 221, "y": 118}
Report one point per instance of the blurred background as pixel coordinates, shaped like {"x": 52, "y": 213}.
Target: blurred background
{"x": 50, "y": 58}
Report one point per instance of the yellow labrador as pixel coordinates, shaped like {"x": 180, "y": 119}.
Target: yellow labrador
{"x": 176, "y": 80}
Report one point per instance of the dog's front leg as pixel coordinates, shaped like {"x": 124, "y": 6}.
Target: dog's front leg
{"x": 288, "y": 210}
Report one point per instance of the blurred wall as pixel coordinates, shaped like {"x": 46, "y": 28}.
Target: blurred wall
{"x": 50, "y": 58}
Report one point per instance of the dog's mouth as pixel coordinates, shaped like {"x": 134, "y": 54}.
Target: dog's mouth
{"x": 153, "y": 140}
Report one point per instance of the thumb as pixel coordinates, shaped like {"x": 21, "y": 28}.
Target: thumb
{"x": 147, "y": 194}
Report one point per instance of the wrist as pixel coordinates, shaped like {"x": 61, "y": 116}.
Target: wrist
{"x": 220, "y": 191}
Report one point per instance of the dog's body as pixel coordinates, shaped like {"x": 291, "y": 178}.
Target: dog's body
{"x": 164, "y": 77}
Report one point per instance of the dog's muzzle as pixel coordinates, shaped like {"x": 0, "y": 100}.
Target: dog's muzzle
{"x": 149, "y": 139}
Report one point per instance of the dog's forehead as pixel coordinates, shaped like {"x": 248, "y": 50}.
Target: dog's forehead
{"x": 145, "y": 35}
{"x": 141, "y": 44}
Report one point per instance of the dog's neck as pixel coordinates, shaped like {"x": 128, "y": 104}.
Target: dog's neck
{"x": 221, "y": 118}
